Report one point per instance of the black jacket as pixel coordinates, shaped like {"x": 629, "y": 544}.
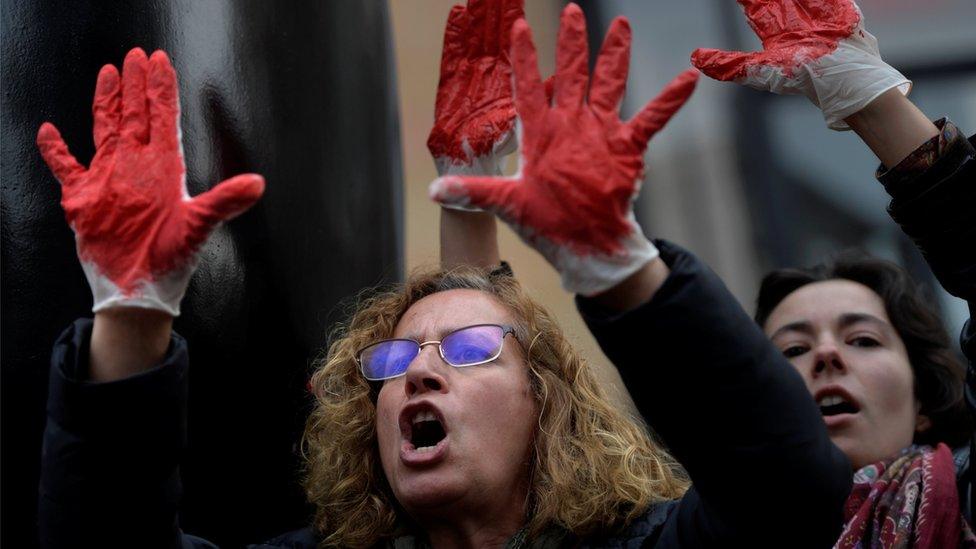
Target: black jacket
{"x": 724, "y": 400}
{"x": 935, "y": 205}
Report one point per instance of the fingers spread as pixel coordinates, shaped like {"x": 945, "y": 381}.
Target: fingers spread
{"x": 493, "y": 194}
{"x": 55, "y": 152}
{"x": 659, "y": 110}
{"x": 227, "y": 200}
{"x": 723, "y": 65}
{"x": 164, "y": 106}
{"x": 107, "y": 106}
{"x": 135, "y": 111}
{"x": 572, "y": 58}
{"x": 530, "y": 95}
{"x": 610, "y": 74}
{"x": 550, "y": 85}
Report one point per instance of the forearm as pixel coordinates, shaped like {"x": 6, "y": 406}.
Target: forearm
{"x": 468, "y": 238}
{"x": 892, "y": 127}
{"x": 126, "y": 341}
{"x": 109, "y": 468}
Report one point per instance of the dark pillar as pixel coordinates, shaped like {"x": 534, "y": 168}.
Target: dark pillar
{"x": 301, "y": 92}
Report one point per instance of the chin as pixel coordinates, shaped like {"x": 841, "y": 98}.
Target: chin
{"x": 427, "y": 493}
{"x": 851, "y": 449}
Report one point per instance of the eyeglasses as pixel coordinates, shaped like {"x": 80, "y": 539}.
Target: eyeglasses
{"x": 468, "y": 346}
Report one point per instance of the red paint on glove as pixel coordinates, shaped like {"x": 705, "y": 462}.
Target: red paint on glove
{"x": 129, "y": 209}
{"x": 581, "y": 165}
{"x": 474, "y": 97}
{"x": 793, "y": 32}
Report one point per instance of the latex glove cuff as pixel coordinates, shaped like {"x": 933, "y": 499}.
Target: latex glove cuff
{"x": 589, "y": 275}
{"x": 491, "y": 165}
{"x": 164, "y": 293}
{"x": 840, "y": 83}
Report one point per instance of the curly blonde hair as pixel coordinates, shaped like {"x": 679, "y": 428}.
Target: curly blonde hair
{"x": 594, "y": 468}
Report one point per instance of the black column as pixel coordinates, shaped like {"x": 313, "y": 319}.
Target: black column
{"x": 301, "y": 92}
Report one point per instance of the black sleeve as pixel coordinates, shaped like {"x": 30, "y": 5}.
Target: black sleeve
{"x": 933, "y": 200}
{"x": 935, "y": 205}
{"x": 731, "y": 409}
{"x": 111, "y": 452}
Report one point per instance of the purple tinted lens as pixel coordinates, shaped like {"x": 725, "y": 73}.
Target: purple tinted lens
{"x": 472, "y": 345}
{"x": 388, "y": 358}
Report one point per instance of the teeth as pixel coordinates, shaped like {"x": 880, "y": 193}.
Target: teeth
{"x": 425, "y": 449}
{"x": 424, "y": 416}
{"x": 830, "y": 400}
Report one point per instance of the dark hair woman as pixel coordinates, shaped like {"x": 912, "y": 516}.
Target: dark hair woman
{"x": 938, "y": 376}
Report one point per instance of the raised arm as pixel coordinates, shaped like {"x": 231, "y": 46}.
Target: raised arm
{"x": 707, "y": 379}
{"x": 474, "y": 119}
{"x": 116, "y": 407}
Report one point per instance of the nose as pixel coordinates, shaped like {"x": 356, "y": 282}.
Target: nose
{"x": 828, "y": 360}
{"x": 425, "y": 373}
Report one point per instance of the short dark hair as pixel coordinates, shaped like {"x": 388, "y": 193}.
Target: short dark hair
{"x": 938, "y": 371}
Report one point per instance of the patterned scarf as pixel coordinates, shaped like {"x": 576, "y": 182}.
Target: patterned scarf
{"x": 908, "y": 502}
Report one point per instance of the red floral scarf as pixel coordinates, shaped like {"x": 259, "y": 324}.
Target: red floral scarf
{"x": 908, "y": 502}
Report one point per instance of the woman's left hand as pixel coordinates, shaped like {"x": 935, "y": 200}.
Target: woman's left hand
{"x": 474, "y": 116}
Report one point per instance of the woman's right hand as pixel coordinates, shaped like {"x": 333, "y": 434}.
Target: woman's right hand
{"x": 817, "y": 48}
{"x": 137, "y": 230}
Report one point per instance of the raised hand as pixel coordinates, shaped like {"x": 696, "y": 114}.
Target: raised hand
{"x": 137, "y": 230}
{"x": 474, "y": 126}
{"x": 581, "y": 165}
{"x": 817, "y": 48}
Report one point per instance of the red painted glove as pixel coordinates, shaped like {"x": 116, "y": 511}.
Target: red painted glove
{"x": 474, "y": 116}
{"x": 817, "y": 48}
{"x": 581, "y": 165}
{"x": 137, "y": 230}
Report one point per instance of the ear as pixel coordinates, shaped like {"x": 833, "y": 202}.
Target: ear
{"x": 922, "y": 423}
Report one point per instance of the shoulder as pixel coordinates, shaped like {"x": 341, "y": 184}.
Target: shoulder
{"x": 643, "y": 531}
{"x": 296, "y": 539}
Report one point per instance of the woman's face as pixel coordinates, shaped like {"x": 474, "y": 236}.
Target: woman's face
{"x": 839, "y": 337}
{"x": 487, "y": 413}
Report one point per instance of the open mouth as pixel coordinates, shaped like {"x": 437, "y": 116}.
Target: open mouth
{"x": 426, "y": 430}
{"x": 835, "y": 403}
{"x": 423, "y": 430}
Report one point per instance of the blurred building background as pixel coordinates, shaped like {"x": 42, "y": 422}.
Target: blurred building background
{"x": 747, "y": 180}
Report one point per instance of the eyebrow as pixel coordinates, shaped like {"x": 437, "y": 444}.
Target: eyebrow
{"x": 845, "y": 320}
{"x": 442, "y": 332}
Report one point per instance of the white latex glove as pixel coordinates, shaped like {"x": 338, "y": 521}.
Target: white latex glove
{"x": 817, "y": 48}
{"x": 137, "y": 230}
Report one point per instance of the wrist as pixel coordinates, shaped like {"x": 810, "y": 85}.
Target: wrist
{"x": 469, "y": 238}
{"x": 636, "y": 289}
{"x": 892, "y": 127}
{"x": 126, "y": 341}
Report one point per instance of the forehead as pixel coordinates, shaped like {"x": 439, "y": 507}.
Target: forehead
{"x": 442, "y": 312}
{"x": 825, "y": 302}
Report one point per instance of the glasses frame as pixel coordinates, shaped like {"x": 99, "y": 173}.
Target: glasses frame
{"x": 506, "y": 330}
